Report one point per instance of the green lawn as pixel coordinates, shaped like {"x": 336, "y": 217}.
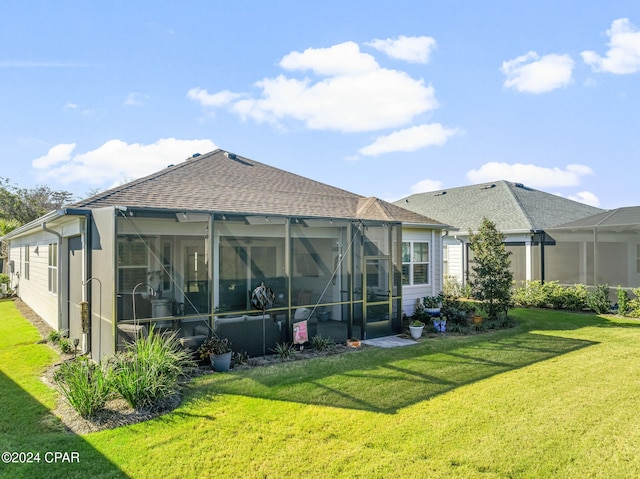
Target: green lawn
{"x": 555, "y": 397}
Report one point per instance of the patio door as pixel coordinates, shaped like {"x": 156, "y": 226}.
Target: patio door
{"x": 195, "y": 272}
{"x": 377, "y": 297}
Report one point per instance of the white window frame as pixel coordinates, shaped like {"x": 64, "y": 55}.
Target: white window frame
{"x": 26, "y": 261}
{"x": 412, "y": 262}
{"x": 52, "y": 268}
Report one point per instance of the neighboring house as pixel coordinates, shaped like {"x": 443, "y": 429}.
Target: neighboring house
{"x": 185, "y": 248}
{"x": 599, "y": 249}
{"x": 521, "y": 213}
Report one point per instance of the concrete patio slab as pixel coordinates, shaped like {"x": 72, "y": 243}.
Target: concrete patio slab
{"x": 389, "y": 342}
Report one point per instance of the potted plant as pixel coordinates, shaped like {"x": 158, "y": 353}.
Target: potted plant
{"x": 440, "y": 323}
{"x": 432, "y": 305}
{"x": 415, "y": 328}
{"x": 218, "y": 350}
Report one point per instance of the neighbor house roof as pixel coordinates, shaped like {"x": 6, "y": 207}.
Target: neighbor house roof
{"x": 513, "y": 207}
{"x": 619, "y": 219}
{"x": 224, "y": 182}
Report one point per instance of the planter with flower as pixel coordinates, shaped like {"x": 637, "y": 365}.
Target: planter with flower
{"x": 219, "y": 352}
{"x": 415, "y": 328}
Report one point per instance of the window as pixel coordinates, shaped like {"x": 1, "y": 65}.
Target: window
{"x": 53, "y": 268}
{"x": 415, "y": 262}
{"x": 133, "y": 262}
{"x": 25, "y": 269}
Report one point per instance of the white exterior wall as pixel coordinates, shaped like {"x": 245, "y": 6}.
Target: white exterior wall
{"x": 34, "y": 291}
{"x": 410, "y": 293}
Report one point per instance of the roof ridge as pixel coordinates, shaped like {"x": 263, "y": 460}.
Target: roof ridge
{"x": 138, "y": 181}
{"x": 510, "y": 185}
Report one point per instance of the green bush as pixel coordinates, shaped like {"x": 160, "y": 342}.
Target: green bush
{"x": 285, "y": 350}
{"x": 66, "y": 346}
{"x": 84, "y": 384}
{"x": 623, "y": 301}
{"x": 576, "y": 297}
{"x": 149, "y": 370}
{"x": 634, "y": 304}
{"x": 530, "y": 295}
{"x": 598, "y": 299}
{"x": 320, "y": 343}
{"x": 535, "y": 294}
{"x": 54, "y": 336}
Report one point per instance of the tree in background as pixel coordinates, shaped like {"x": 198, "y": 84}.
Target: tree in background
{"x": 491, "y": 278}
{"x": 25, "y": 205}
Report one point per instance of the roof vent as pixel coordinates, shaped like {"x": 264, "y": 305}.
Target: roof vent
{"x": 230, "y": 155}
{"x": 488, "y": 187}
{"x": 195, "y": 155}
{"x": 441, "y": 193}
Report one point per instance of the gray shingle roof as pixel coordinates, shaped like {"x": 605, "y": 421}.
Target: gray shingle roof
{"x": 513, "y": 207}
{"x": 621, "y": 219}
{"x": 223, "y": 182}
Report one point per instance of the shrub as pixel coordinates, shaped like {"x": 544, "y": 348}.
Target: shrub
{"x": 623, "y": 301}
{"x": 65, "y": 344}
{"x": 634, "y": 304}
{"x": 535, "y": 294}
{"x": 320, "y": 343}
{"x": 84, "y": 384}
{"x": 149, "y": 370}
{"x": 240, "y": 357}
{"x": 285, "y": 350}
{"x": 54, "y": 336}
{"x": 598, "y": 299}
{"x": 576, "y": 297}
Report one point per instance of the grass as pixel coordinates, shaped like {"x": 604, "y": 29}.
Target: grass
{"x": 554, "y": 397}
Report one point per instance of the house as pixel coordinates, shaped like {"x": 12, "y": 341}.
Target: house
{"x": 521, "y": 213}
{"x": 187, "y": 247}
{"x": 599, "y": 249}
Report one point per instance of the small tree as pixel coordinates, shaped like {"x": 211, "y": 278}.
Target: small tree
{"x": 491, "y": 279}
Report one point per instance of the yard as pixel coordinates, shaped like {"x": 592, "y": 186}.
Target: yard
{"x": 556, "y": 396}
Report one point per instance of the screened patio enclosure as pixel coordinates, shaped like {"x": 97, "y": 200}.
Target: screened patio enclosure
{"x": 602, "y": 249}
{"x": 195, "y": 272}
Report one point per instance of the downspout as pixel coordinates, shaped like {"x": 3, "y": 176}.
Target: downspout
{"x": 59, "y": 236}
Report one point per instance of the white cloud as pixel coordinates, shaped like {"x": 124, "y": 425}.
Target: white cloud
{"x": 115, "y": 160}
{"x": 136, "y": 99}
{"x": 586, "y": 197}
{"x": 531, "y": 73}
{"x": 409, "y": 139}
{"x": 71, "y": 106}
{"x": 221, "y": 98}
{"x": 57, "y": 154}
{"x": 342, "y": 59}
{"x": 426, "y": 185}
{"x": 353, "y": 94}
{"x": 530, "y": 175}
{"x": 623, "y": 55}
{"x": 411, "y": 49}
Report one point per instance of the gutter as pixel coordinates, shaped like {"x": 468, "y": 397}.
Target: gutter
{"x": 86, "y": 346}
{"x": 59, "y": 269}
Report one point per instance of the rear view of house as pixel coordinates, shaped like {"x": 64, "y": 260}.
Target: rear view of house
{"x": 185, "y": 248}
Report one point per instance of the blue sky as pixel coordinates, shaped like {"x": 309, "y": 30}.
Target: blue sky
{"x": 383, "y": 99}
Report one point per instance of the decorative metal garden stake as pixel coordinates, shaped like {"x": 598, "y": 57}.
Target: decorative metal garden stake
{"x": 263, "y": 298}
